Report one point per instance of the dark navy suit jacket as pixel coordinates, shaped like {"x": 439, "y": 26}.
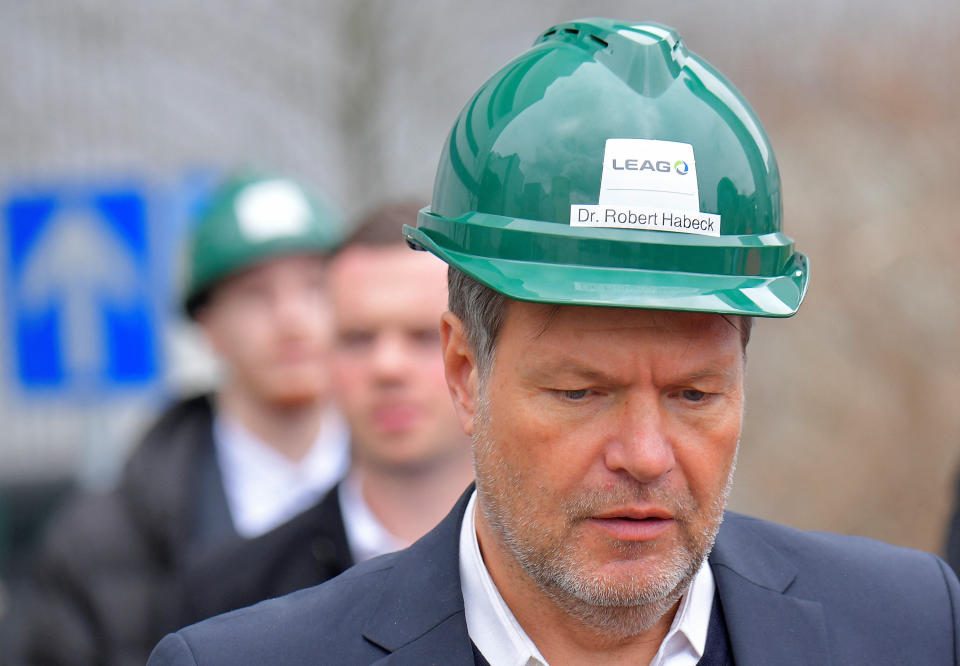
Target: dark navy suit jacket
{"x": 789, "y": 597}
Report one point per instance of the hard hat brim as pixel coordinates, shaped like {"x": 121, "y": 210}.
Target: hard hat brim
{"x": 571, "y": 284}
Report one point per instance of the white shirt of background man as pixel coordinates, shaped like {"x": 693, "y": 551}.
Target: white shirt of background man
{"x": 265, "y": 489}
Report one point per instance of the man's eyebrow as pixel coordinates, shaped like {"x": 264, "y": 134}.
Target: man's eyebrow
{"x": 575, "y": 368}
{"x": 710, "y": 373}
{"x": 572, "y": 367}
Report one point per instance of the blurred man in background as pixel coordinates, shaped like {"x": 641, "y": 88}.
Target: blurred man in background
{"x": 215, "y": 468}
{"x": 410, "y": 458}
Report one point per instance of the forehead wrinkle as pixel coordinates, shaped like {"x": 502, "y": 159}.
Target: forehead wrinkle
{"x": 715, "y": 365}
{"x": 685, "y": 333}
{"x": 552, "y": 359}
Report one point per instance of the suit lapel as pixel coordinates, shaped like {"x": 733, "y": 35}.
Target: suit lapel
{"x": 419, "y": 617}
{"x": 446, "y": 643}
{"x": 765, "y": 624}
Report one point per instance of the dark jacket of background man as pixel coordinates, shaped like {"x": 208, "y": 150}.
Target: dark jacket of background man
{"x": 143, "y": 544}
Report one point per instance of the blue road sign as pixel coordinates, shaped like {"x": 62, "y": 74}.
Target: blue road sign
{"x": 79, "y": 306}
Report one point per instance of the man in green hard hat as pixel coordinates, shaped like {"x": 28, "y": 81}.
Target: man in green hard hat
{"x": 214, "y": 469}
{"x": 409, "y": 458}
{"x": 609, "y": 207}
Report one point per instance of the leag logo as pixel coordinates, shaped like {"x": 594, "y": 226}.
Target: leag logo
{"x": 662, "y": 166}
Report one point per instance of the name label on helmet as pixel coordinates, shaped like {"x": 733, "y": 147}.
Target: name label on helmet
{"x": 648, "y": 184}
{"x": 655, "y": 219}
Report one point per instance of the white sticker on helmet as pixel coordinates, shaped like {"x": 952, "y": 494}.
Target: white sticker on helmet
{"x": 272, "y": 209}
{"x": 648, "y": 184}
{"x": 656, "y": 219}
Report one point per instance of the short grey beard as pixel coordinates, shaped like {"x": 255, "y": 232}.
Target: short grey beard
{"x": 614, "y": 613}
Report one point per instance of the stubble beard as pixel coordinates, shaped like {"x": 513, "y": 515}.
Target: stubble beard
{"x": 614, "y": 607}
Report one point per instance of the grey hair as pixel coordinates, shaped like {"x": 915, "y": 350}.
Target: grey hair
{"x": 482, "y": 311}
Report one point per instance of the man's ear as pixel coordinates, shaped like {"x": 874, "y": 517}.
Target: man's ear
{"x": 460, "y": 367}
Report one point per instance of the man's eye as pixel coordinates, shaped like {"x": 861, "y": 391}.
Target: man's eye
{"x": 693, "y": 395}
{"x": 427, "y": 337}
{"x": 578, "y": 394}
{"x": 254, "y": 291}
{"x": 355, "y": 340}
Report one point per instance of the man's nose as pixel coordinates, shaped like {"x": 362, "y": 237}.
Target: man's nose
{"x": 297, "y": 310}
{"x": 639, "y": 441}
{"x": 389, "y": 357}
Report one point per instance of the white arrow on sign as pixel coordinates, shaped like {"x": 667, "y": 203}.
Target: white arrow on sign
{"x": 79, "y": 263}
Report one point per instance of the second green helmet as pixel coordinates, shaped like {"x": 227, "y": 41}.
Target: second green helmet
{"x": 251, "y": 218}
{"x": 610, "y": 166}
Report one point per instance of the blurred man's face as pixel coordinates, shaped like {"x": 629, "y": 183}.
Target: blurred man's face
{"x": 271, "y": 327}
{"x": 388, "y": 371}
{"x": 604, "y": 442}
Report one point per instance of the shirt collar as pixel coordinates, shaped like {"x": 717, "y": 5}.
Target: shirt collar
{"x": 502, "y": 641}
{"x": 491, "y": 625}
{"x": 263, "y": 488}
{"x": 366, "y": 535}
{"x": 687, "y": 638}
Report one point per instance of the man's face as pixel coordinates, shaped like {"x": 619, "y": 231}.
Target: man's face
{"x": 388, "y": 371}
{"x": 271, "y": 327}
{"x": 604, "y": 442}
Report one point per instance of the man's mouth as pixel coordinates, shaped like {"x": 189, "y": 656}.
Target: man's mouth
{"x": 634, "y": 524}
{"x": 392, "y": 418}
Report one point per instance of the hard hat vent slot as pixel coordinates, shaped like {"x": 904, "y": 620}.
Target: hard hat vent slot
{"x": 601, "y": 42}
{"x": 585, "y": 37}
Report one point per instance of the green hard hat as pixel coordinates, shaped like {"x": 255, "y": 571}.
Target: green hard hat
{"x": 251, "y": 218}
{"x": 610, "y": 166}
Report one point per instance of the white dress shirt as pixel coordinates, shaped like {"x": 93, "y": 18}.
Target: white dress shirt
{"x": 265, "y": 489}
{"x": 503, "y": 642}
{"x": 366, "y": 536}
